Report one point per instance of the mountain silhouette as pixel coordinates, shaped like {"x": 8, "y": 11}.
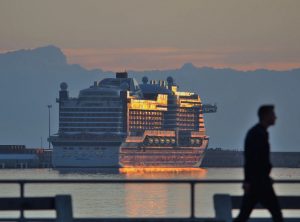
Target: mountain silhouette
{"x": 30, "y": 81}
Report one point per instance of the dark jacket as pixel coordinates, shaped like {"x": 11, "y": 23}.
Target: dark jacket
{"x": 257, "y": 156}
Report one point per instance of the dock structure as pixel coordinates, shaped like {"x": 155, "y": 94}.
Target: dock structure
{"x": 18, "y": 156}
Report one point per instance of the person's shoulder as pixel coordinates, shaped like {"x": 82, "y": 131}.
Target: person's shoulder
{"x": 253, "y": 128}
{"x": 257, "y": 129}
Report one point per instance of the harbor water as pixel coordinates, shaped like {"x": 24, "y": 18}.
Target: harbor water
{"x": 138, "y": 200}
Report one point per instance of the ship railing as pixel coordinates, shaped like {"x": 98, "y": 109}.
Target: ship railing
{"x": 160, "y": 133}
{"x": 192, "y": 191}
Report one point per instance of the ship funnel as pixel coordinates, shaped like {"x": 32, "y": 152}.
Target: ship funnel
{"x": 121, "y": 75}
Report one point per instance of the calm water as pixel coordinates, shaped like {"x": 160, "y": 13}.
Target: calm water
{"x": 138, "y": 200}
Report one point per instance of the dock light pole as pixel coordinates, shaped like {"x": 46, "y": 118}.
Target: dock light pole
{"x": 49, "y": 107}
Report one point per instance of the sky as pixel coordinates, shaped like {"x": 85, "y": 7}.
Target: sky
{"x": 158, "y": 34}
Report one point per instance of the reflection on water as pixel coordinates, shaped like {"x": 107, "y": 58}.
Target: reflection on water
{"x": 140, "y": 200}
{"x": 158, "y": 200}
{"x": 146, "y": 199}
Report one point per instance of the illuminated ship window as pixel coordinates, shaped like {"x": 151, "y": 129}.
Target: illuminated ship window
{"x": 192, "y": 141}
{"x": 162, "y": 140}
{"x": 200, "y": 142}
{"x": 156, "y": 141}
{"x": 173, "y": 141}
{"x": 150, "y": 140}
{"x": 167, "y": 141}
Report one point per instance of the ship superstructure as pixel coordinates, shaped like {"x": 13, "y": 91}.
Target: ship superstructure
{"x": 166, "y": 127}
{"x": 117, "y": 122}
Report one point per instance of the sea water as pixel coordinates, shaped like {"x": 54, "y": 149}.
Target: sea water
{"x": 138, "y": 200}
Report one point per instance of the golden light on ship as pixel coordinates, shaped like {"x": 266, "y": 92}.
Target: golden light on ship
{"x": 199, "y": 172}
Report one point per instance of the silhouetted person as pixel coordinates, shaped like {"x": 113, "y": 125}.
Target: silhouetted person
{"x": 258, "y": 183}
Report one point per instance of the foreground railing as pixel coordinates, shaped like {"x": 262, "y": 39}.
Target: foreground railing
{"x": 192, "y": 183}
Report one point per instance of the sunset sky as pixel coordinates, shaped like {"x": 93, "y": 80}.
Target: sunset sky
{"x": 158, "y": 34}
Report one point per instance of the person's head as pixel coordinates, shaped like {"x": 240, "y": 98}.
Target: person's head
{"x": 266, "y": 115}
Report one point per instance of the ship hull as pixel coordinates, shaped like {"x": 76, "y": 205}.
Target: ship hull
{"x": 85, "y": 157}
{"x": 164, "y": 157}
{"x": 112, "y": 156}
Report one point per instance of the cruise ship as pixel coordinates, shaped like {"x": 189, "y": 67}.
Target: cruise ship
{"x": 117, "y": 122}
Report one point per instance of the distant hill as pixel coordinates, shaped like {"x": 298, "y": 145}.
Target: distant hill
{"x": 29, "y": 80}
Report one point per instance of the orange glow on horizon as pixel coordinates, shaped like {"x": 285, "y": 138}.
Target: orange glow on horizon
{"x": 162, "y": 58}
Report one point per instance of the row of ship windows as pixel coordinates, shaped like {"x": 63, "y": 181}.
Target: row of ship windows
{"x": 170, "y": 151}
{"x": 145, "y": 116}
{"x": 100, "y": 104}
{"x": 88, "y": 127}
{"x": 82, "y": 109}
{"x": 189, "y": 109}
{"x": 119, "y": 114}
{"x": 111, "y": 119}
{"x": 193, "y": 96}
{"x": 109, "y": 129}
{"x": 139, "y": 123}
{"x": 186, "y": 115}
{"x": 91, "y": 124}
{"x": 138, "y": 112}
{"x": 187, "y": 122}
{"x": 104, "y": 111}
{"x": 156, "y": 119}
{"x": 143, "y": 127}
{"x": 140, "y": 127}
{"x": 76, "y": 144}
{"x": 182, "y": 119}
{"x": 176, "y": 116}
{"x": 187, "y": 128}
{"x": 92, "y": 137}
{"x": 99, "y": 93}
{"x": 101, "y": 99}
{"x": 159, "y": 159}
{"x": 194, "y": 120}
{"x": 181, "y": 123}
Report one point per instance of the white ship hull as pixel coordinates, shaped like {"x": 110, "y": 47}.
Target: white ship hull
{"x": 85, "y": 157}
{"x": 94, "y": 157}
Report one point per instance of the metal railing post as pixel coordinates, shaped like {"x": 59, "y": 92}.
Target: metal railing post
{"x": 22, "y": 196}
{"x": 192, "y": 200}
{"x": 191, "y": 183}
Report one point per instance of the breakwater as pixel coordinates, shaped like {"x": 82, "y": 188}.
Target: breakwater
{"x": 232, "y": 158}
